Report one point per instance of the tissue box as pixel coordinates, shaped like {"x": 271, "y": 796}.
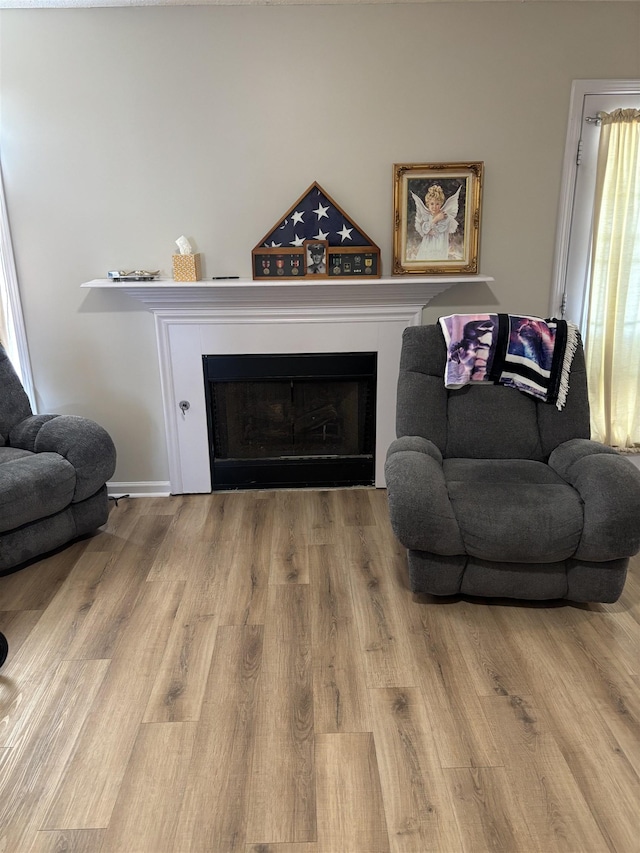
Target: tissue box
{"x": 187, "y": 267}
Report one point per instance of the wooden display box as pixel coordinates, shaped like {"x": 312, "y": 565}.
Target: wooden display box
{"x": 315, "y": 239}
{"x": 187, "y": 267}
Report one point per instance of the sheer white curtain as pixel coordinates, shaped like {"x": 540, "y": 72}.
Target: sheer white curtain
{"x": 12, "y": 330}
{"x": 612, "y": 333}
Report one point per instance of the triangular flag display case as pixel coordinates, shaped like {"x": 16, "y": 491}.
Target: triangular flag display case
{"x": 315, "y": 239}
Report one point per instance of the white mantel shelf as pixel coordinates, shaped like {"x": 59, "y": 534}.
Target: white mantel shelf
{"x": 242, "y": 316}
{"x": 167, "y": 294}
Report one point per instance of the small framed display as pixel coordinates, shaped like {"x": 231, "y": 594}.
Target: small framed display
{"x": 353, "y": 261}
{"x": 315, "y": 258}
{"x": 315, "y": 239}
{"x": 436, "y": 222}
{"x": 285, "y": 263}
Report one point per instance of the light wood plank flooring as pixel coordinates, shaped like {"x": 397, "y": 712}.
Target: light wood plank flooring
{"x": 249, "y": 672}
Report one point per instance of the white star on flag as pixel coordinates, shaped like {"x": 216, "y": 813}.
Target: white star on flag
{"x": 314, "y": 213}
{"x": 274, "y": 245}
{"x": 345, "y": 233}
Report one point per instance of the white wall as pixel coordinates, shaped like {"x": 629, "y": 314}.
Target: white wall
{"x": 124, "y": 128}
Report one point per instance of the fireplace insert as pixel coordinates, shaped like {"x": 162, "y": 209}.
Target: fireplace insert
{"x": 283, "y": 421}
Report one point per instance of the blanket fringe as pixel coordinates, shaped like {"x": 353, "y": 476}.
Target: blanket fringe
{"x": 573, "y": 338}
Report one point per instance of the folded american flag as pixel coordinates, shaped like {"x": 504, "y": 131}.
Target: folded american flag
{"x": 527, "y": 353}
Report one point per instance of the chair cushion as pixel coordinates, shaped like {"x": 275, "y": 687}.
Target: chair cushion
{"x": 481, "y": 421}
{"x": 492, "y": 422}
{"x": 514, "y": 510}
{"x": 9, "y": 454}
{"x": 32, "y": 486}
{"x": 15, "y": 403}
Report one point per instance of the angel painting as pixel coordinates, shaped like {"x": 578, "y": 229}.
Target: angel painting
{"x": 435, "y": 220}
{"x": 436, "y": 215}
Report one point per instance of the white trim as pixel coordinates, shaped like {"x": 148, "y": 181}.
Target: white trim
{"x": 159, "y": 489}
{"x": 579, "y": 90}
{"x": 182, "y": 341}
{"x": 166, "y": 297}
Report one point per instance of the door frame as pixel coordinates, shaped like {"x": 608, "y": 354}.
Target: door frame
{"x": 579, "y": 90}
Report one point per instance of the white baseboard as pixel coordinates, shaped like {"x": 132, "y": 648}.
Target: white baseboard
{"x": 159, "y": 489}
{"x": 162, "y": 488}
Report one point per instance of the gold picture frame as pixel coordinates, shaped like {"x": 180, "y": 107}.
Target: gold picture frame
{"x": 436, "y": 218}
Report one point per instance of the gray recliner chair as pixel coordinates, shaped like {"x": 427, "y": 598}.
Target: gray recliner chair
{"x": 53, "y": 474}
{"x": 494, "y": 493}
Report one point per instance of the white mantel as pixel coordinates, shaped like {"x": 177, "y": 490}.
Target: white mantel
{"x": 252, "y": 317}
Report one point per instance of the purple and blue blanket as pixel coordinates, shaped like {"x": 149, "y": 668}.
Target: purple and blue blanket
{"x": 527, "y": 353}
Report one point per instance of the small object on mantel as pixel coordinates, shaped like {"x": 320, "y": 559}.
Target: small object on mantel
{"x": 186, "y": 265}
{"x": 184, "y": 246}
{"x": 224, "y": 277}
{"x": 187, "y": 268}
{"x": 136, "y": 275}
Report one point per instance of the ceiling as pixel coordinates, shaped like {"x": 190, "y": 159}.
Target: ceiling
{"x": 78, "y": 4}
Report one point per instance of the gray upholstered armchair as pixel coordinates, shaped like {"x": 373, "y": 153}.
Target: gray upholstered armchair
{"x": 53, "y": 473}
{"x": 494, "y": 493}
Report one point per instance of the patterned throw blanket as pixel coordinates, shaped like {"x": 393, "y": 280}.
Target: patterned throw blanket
{"x": 526, "y": 353}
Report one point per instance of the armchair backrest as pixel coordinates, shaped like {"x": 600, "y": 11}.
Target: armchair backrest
{"x": 14, "y": 403}
{"x": 482, "y": 421}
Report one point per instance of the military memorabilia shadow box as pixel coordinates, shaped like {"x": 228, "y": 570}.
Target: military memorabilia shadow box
{"x": 315, "y": 239}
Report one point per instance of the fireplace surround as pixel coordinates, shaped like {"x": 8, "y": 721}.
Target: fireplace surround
{"x": 255, "y": 317}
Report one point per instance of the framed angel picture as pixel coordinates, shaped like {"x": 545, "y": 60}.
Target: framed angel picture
{"x": 436, "y": 223}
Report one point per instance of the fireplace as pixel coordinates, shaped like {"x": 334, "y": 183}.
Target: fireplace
{"x": 253, "y": 317}
{"x": 291, "y": 420}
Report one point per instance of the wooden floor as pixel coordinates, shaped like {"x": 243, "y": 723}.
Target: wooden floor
{"x": 249, "y": 672}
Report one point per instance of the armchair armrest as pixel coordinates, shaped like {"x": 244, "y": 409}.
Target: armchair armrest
{"x": 421, "y": 514}
{"x": 609, "y": 486}
{"x": 82, "y": 442}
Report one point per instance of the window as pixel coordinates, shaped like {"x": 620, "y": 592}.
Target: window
{"x": 12, "y": 330}
{"x": 603, "y": 301}
{"x": 573, "y": 250}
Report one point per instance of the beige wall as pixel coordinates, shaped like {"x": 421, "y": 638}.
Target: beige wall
{"x": 124, "y": 128}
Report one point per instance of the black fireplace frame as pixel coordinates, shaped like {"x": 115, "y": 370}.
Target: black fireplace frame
{"x": 298, "y": 472}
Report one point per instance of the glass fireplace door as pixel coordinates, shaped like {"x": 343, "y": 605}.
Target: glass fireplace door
{"x": 305, "y": 420}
